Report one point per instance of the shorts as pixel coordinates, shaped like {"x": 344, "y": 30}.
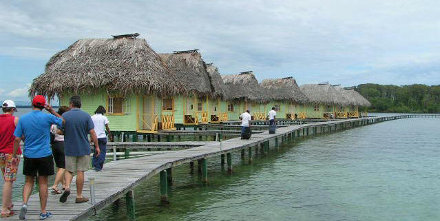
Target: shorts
{"x": 38, "y": 166}
{"x": 58, "y": 154}
{"x": 77, "y": 163}
{"x": 9, "y": 166}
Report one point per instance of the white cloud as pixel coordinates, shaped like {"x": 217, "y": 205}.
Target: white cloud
{"x": 20, "y": 92}
{"x": 314, "y": 40}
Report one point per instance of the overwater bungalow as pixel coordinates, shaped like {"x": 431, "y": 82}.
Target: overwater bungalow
{"x": 358, "y": 101}
{"x": 244, "y": 93}
{"x": 123, "y": 74}
{"x": 324, "y": 100}
{"x": 286, "y": 97}
{"x": 191, "y": 107}
{"x": 218, "y": 105}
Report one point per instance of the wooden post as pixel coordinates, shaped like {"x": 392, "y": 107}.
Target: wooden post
{"x": 127, "y": 153}
{"x": 229, "y": 160}
{"x": 204, "y": 171}
{"x": 242, "y": 154}
{"x": 276, "y": 142}
{"x": 199, "y": 166}
{"x": 114, "y": 153}
{"x": 135, "y": 137}
{"x": 168, "y": 138}
{"x": 163, "y": 186}
{"x": 250, "y": 154}
{"x": 191, "y": 167}
{"x": 170, "y": 176}
{"x": 131, "y": 208}
{"x": 222, "y": 161}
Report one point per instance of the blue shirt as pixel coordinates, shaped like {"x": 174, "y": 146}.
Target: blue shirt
{"x": 76, "y": 128}
{"x": 35, "y": 128}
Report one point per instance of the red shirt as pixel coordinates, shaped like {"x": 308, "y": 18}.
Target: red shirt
{"x": 7, "y": 128}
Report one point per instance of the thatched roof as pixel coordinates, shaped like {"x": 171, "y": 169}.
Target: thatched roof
{"x": 125, "y": 65}
{"x": 191, "y": 71}
{"x": 245, "y": 86}
{"x": 351, "y": 100}
{"x": 359, "y": 99}
{"x": 284, "y": 89}
{"x": 323, "y": 94}
{"x": 219, "y": 87}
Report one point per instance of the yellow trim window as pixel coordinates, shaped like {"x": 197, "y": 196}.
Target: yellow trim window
{"x": 167, "y": 104}
{"x": 118, "y": 105}
{"x": 231, "y": 107}
{"x": 199, "y": 106}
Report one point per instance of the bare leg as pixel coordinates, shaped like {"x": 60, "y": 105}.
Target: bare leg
{"x": 59, "y": 178}
{"x": 68, "y": 176}
{"x": 6, "y": 201}
{"x": 42, "y": 181}
{"x": 79, "y": 183}
{"x": 27, "y": 189}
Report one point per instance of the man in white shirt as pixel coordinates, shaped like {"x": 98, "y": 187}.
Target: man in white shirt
{"x": 272, "y": 114}
{"x": 101, "y": 125}
{"x": 245, "y": 124}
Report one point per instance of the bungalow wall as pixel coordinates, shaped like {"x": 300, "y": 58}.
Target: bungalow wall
{"x": 126, "y": 121}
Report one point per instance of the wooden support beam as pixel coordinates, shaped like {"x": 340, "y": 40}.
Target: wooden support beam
{"x": 204, "y": 171}
{"x": 229, "y": 160}
{"x": 170, "y": 176}
{"x": 222, "y": 160}
{"x": 250, "y": 154}
{"x": 242, "y": 154}
{"x": 191, "y": 167}
{"x": 130, "y": 204}
{"x": 127, "y": 153}
{"x": 163, "y": 186}
{"x": 199, "y": 166}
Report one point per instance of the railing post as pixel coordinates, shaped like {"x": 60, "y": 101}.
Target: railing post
{"x": 92, "y": 190}
{"x": 114, "y": 153}
{"x": 229, "y": 160}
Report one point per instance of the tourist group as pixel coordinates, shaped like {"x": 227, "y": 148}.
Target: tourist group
{"x": 60, "y": 138}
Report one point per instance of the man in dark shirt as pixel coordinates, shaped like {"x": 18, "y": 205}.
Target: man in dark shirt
{"x": 78, "y": 124}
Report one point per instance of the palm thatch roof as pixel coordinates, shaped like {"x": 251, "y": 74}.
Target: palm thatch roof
{"x": 284, "y": 89}
{"x": 218, "y": 86}
{"x": 323, "y": 94}
{"x": 359, "y": 99}
{"x": 351, "y": 100}
{"x": 245, "y": 86}
{"x": 123, "y": 64}
{"x": 191, "y": 71}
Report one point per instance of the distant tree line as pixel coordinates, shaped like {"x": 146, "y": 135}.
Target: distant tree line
{"x": 416, "y": 98}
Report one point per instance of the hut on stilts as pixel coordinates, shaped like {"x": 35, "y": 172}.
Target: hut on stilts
{"x": 244, "y": 93}
{"x": 323, "y": 99}
{"x": 286, "y": 97}
{"x": 191, "y": 107}
{"x": 217, "y": 105}
{"x": 123, "y": 74}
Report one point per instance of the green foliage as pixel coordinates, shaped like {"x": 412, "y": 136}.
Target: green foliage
{"x": 416, "y": 98}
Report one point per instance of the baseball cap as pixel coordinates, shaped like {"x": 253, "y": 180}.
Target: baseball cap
{"x": 39, "y": 101}
{"x": 8, "y": 103}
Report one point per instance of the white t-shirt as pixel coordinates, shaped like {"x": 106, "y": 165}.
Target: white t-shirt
{"x": 245, "y": 118}
{"x": 100, "y": 121}
{"x": 58, "y": 137}
{"x": 272, "y": 114}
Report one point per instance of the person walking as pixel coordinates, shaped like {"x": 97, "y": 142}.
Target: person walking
{"x": 78, "y": 124}
{"x": 271, "y": 115}
{"x": 58, "y": 154}
{"x": 101, "y": 125}
{"x": 34, "y": 129}
{"x": 245, "y": 124}
{"x": 8, "y": 163}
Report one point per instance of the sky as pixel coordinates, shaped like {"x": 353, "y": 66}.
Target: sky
{"x": 346, "y": 42}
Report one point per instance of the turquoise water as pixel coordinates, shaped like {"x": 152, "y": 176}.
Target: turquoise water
{"x": 386, "y": 171}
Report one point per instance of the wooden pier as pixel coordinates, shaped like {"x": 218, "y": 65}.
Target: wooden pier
{"x": 120, "y": 177}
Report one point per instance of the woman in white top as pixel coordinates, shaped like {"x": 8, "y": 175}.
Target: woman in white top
{"x": 101, "y": 125}
{"x": 58, "y": 153}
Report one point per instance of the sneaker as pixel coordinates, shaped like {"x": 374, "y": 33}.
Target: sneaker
{"x": 23, "y": 212}
{"x": 46, "y": 215}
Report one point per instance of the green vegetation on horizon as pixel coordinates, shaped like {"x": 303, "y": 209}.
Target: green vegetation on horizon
{"x": 416, "y": 98}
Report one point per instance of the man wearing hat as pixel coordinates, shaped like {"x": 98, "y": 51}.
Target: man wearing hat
{"x": 8, "y": 163}
{"x": 34, "y": 129}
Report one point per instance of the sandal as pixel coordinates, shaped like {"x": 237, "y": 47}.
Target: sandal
{"x": 11, "y": 207}
{"x": 55, "y": 191}
{"x": 5, "y": 215}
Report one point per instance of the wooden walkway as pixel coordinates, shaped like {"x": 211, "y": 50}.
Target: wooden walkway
{"x": 119, "y": 178}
